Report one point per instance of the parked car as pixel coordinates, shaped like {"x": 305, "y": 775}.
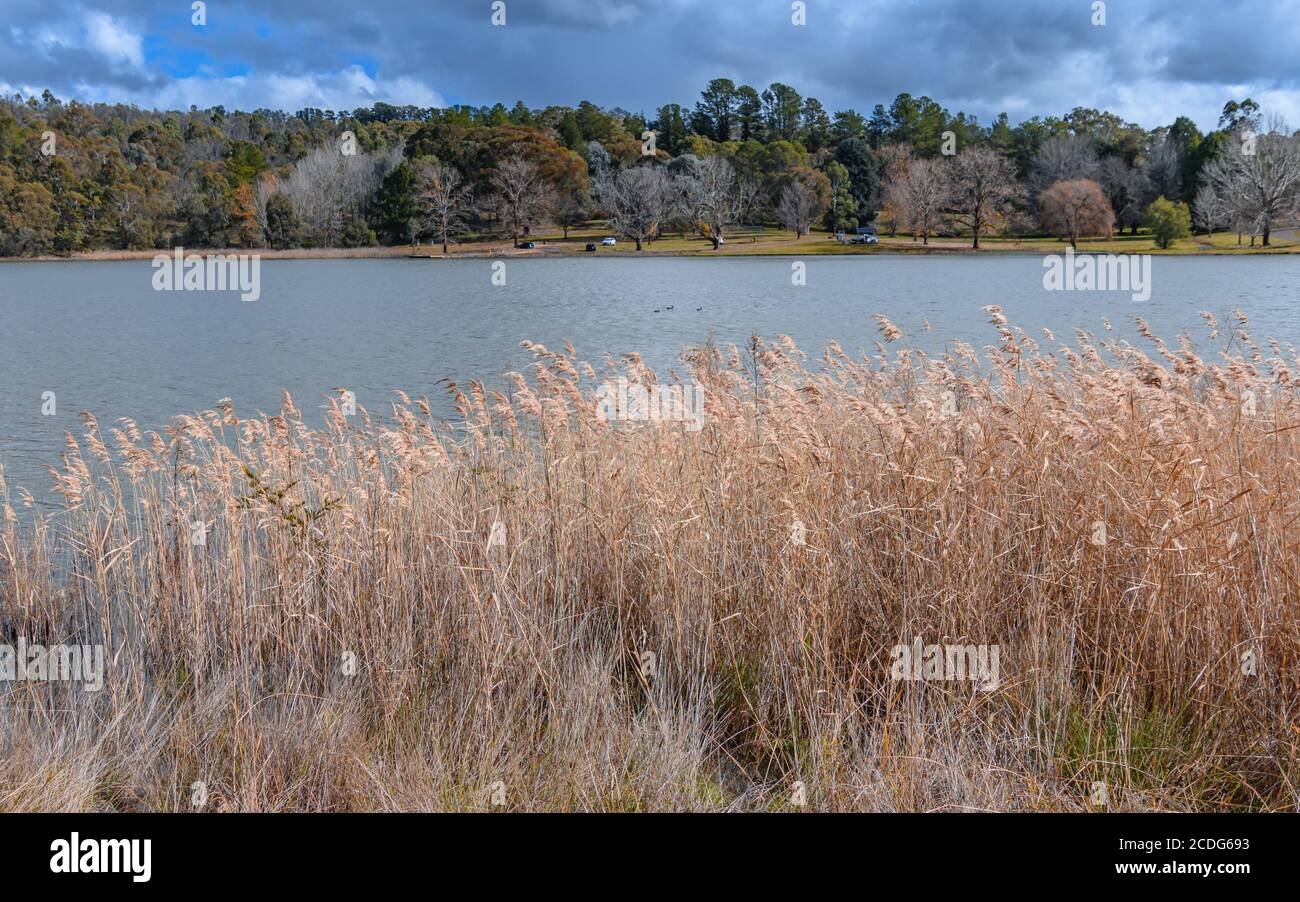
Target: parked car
{"x": 864, "y": 239}
{"x": 609, "y": 242}
{"x": 591, "y": 246}
{"x": 528, "y": 245}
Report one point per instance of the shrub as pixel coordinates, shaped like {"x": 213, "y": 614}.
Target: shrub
{"x": 1168, "y": 221}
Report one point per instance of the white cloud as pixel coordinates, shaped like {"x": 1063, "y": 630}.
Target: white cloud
{"x": 113, "y": 40}
{"x": 1153, "y": 103}
{"x": 9, "y": 90}
{"x": 344, "y": 89}
{"x": 1283, "y": 103}
{"x": 46, "y": 40}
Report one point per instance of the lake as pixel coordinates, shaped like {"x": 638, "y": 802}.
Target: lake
{"x": 99, "y": 336}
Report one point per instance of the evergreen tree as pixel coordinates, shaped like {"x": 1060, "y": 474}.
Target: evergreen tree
{"x": 860, "y": 164}
{"x": 816, "y": 132}
{"x": 395, "y": 205}
{"x": 716, "y": 112}
{"x": 749, "y": 113}
{"x": 843, "y": 210}
{"x": 783, "y": 108}
{"x": 282, "y": 226}
{"x": 671, "y": 128}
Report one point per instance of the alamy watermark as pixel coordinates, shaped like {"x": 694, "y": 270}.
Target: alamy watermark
{"x": 32, "y": 662}
{"x": 663, "y": 403}
{"x": 103, "y": 856}
{"x": 1099, "y": 272}
{"x": 976, "y": 663}
{"x": 214, "y": 272}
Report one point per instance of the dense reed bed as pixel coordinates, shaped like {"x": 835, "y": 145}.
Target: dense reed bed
{"x": 669, "y": 619}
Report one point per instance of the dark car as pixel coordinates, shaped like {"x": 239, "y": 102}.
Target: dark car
{"x": 591, "y": 246}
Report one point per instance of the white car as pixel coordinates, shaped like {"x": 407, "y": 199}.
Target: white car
{"x": 610, "y": 242}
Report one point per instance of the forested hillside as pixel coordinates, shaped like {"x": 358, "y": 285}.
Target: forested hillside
{"x": 76, "y": 176}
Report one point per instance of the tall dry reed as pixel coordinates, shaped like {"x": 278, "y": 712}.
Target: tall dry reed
{"x": 650, "y": 633}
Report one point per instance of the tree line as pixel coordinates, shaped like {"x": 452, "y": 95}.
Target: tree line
{"x": 76, "y": 176}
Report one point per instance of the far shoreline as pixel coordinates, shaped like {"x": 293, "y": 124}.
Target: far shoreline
{"x": 1287, "y": 242}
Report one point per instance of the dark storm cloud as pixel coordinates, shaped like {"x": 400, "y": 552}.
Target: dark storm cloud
{"x": 1150, "y": 62}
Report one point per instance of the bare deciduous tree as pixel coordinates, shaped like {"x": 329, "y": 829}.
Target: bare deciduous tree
{"x": 523, "y": 195}
{"x": 1124, "y": 189}
{"x": 716, "y": 195}
{"x": 1211, "y": 209}
{"x": 443, "y": 199}
{"x": 895, "y": 160}
{"x": 327, "y": 188}
{"x": 797, "y": 208}
{"x": 925, "y": 195}
{"x": 1260, "y": 174}
{"x": 1063, "y": 158}
{"x": 637, "y": 200}
{"x": 572, "y": 209}
{"x": 1074, "y": 208}
{"x": 983, "y": 183}
{"x": 1162, "y": 171}
{"x": 1240, "y": 214}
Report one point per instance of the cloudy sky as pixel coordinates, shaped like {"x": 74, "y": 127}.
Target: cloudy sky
{"x": 1150, "y": 62}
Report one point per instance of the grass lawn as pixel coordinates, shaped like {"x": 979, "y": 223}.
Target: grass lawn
{"x": 772, "y": 241}
{"x": 1143, "y": 243}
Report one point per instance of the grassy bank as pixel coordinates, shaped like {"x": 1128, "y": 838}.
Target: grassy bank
{"x": 653, "y": 631}
{"x": 773, "y": 242}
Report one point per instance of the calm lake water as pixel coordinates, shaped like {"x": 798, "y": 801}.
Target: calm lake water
{"x": 102, "y": 339}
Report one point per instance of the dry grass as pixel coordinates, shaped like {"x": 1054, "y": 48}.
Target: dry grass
{"x": 1120, "y": 662}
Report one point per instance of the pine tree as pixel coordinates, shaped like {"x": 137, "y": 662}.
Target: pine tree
{"x": 395, "y": 205}
{"x": 282, "y": 226}
{"x": 856, "y": 157}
